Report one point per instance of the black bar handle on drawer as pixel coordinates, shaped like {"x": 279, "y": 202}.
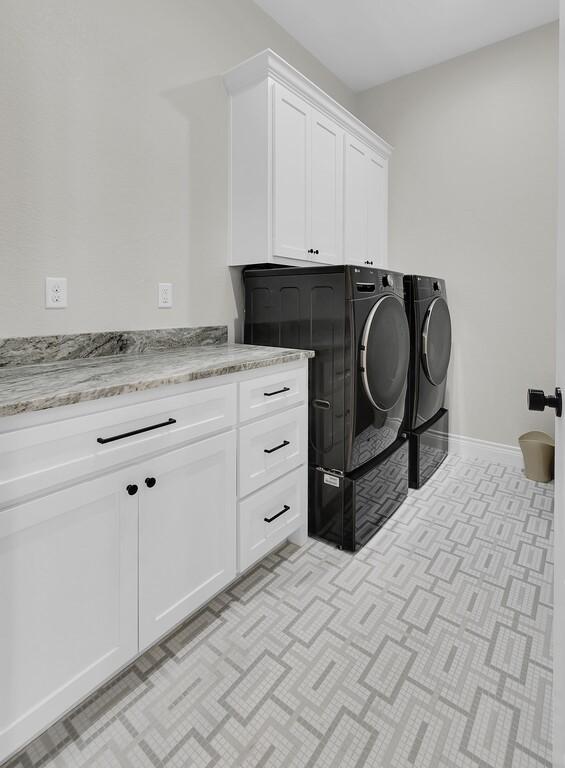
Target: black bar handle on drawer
{"x": 278, "y": 392}
{"x": 104, "y": 440}
{"x": 274, "y": 517}
{"x": 277, "y": 447}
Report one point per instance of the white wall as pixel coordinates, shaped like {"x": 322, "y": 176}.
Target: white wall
{"x": 113, "y": 157}
{"x": 473, "y": 200}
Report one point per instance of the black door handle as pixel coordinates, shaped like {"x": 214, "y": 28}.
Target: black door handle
{"x": 538, "y": 400}
{"x": 278, "y": 392}
{"x": 274, "y": 517}
{"x": 277, "y": 447}
{"x": 150, "y": 482}
{"x": 104, "y": 440}
{"x": 131, "y": 489}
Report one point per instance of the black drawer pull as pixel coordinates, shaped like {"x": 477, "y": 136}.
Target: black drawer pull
{"x": 277, "y": 447}
{"x": 104, "y": 440}
{"x": 274, "y": 517}
{"x": 278, "y": 392}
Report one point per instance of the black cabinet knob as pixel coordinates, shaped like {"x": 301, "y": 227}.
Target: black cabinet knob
{"x": 316, "y": 251}
{"x": 310, "y": 250}
{"x": 150, "y": 482}
{"x": 131, "y": 489}
{"x": 538, "y": 400}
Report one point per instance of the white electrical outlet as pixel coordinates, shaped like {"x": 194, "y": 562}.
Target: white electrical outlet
{"x": 56, "y": 293}
{"x": 165, "y": 295}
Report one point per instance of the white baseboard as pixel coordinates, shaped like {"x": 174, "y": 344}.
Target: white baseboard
{"x": 472, "y": 448}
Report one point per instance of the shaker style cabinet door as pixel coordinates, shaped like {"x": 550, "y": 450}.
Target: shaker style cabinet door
{"x": 326, "y": 238}
{"x": 377, "y": 183}
{"x": 68, "y": 600}
{"x": 366, "y": 201}
{"x": 291, "y": 175}
{"x": 187, "y": 530}
{"x": 356, "y": 202}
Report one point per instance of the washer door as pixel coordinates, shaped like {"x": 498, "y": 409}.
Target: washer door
{"x": 436, "y": 341}
{"x": 385, "y": 353}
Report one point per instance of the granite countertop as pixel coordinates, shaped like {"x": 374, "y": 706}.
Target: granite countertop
{"x": 64, "y": 382}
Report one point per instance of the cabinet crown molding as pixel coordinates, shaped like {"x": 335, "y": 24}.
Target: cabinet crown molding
{"x": 269, "y": 64}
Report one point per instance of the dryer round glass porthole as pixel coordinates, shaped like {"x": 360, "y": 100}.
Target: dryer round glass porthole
{"x": 385, "y": 353}
{"x": 436, "y": 341}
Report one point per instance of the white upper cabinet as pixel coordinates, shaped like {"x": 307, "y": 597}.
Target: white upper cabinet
{"x": 366, "y": 175}
{"x": 291, "y": 175}
{"x": 299, "y": 192}
{"x": 326, "y": 230}
{"x": 377, "y": 208}
{"x": 356, "y": 202}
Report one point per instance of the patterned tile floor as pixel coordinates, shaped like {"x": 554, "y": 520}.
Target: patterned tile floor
{"x": 430, "y": 647}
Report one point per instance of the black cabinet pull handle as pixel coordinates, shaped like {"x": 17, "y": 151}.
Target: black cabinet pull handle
{"x": 274, "y": 517}
{"x": 278, "y": 392}
{"x": 277, "y": 447}
{"x": 150, "y": 482}
{"x": 316, "y": 251}
{"x": 131, "y": 489}
{"x": 310, "y": 250}
{"x": 104, "y": 440}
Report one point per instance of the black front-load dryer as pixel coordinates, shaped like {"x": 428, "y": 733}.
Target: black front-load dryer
{"x": 430, "y": 334}
{"x": 354, "y": 320}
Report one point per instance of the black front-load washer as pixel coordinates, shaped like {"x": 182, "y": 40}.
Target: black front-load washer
{"x": 354, "y": 320}
{"x": 427, "y": 420}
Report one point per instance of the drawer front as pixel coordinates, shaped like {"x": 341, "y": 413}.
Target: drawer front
{"x": 269, "y": 516}
{"x": 39, "y": 457}
{"x": 271, "y": 447}
{"x": 269, "y": 394}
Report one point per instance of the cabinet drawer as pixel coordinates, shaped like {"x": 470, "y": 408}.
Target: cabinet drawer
{"x": 36, "y": 458}
{"x": 275, "y": 392}
{"x": 271, "y": 447}
{"x": 269, "y": 516}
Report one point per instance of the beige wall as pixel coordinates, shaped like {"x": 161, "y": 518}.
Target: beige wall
{"x": 113, "y": 157}
{"x": 473, "y": 199}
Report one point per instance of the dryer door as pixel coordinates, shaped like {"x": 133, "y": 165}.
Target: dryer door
{"x": 385, "y": 353}
{"x": 436, "y": 341}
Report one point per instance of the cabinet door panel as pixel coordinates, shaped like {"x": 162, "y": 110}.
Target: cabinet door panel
{"x": 377, "y": 210}
{"x": 68, "y": 601}
{"x": 356, "y": 202}
{"x": 327, "y": 191}
{"x": 187, "y": 525}
{"x": 291, "y": 182}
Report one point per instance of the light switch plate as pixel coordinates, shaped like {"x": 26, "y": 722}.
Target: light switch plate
{"x": 56, "y": 293}
{"x": 165, "y": 295}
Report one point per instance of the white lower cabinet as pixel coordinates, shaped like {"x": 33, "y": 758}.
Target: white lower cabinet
{"x": 68, "y": 601}
{"x": 270, "y": 447}
{"x": 269, "y": 516}
{"x": 187, "y": 533}
{"x": 92, "y": 574}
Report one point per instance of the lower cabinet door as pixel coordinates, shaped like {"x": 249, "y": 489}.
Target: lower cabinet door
{"x": 187, "y": 529}
{"x": 68, "y": 601}
{"x": 269, "y": 516}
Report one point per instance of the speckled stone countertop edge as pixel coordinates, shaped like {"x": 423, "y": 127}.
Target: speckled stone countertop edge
{"x": 101, "y": 391}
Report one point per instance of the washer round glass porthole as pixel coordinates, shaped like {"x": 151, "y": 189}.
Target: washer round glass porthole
{"x": 385, "y": 353}
{"x": 436, "y": 341}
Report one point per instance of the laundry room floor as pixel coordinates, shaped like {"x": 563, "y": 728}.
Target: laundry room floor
{"x": 430, "y": 647}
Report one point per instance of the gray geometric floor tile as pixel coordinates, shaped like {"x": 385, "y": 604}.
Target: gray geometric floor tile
{"x": 430, "y": 648}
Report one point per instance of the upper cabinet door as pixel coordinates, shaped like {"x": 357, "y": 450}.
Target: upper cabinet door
{"x": 356, "y": 199}
{"x": 187, "y": 532}
{"x": 377, "y": 173}
{"x": 291, "y": 175}
{"x": 327, "y": 191}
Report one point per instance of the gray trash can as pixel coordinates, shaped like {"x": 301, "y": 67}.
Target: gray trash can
{"x": 538, "y": 450}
